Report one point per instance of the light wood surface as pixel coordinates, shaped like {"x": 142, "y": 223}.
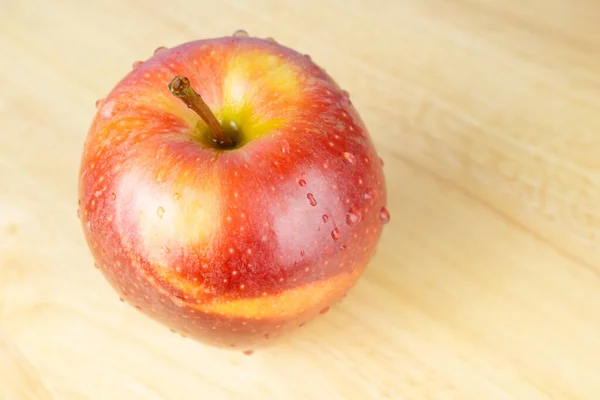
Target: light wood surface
{"x": 486, "y": 284}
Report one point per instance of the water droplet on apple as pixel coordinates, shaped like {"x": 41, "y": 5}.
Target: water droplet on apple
{"x": 240, "y": 33}
{"x": 301, "y": 182}
{"x": 302, "y": 253}
{"x": 160, "y": 211}
{"x": 285, "y": 146}
{"x": 107, "y": 109}
{"x": 381, "y": 161}
{"x": 266, "y": 336}
{"x": 335, "y": 234}
{"x": 346, "y": 97}
{"x": 353, "y": 216}
{"x": 159, "y": 50}
{"x": 166, "y": 249}
{"x": 325, "y": 217}
{"x": 271, "y": 40}
{"x": 176, "y": 195}
{"x": 349, "y": 158}
{"x": 96, "y": 265}
{"x": 78, "y": 216}
{"x": 307, "y": 57}
{"x": 113, "y": 196}
{"x": 384, "y": 215}
{"x": 136, "y": 64}
{"x": 324, "y": 310}
{"x": 121, "y": 299}
{"x": 311, "y": 199}
{"x": 369, "y": 195}
{"x": 99, "y": 103}
{"x": 249, "y": 352}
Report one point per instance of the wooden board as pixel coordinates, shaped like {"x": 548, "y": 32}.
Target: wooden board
{"x": 486, "y": 284}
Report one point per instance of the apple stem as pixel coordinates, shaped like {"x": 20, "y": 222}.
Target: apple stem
{"x": 180, "y": 87}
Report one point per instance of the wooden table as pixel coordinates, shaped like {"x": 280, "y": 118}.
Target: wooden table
{"x": 486, "y": 284}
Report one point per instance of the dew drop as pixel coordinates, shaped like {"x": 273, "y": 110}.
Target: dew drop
{"x": 78, "y": 216}
{"x": 176, "y": 195}
{"x": 349, "y": 158}
{"x": 113, "y": 196}
{"x": 335, "y": 234}
{"x": 136, "y": 64}
{"x": 240, "y": 33}
{"x": 107, "y": 110}
{"x": 301, "y": 182}
{"x": 159, "y": 50}
{"x": 166, "y": 249}
{"x": 345, "y": 93}
{"x": 311, "y": 199}
{"x": 96, "y": 265}
{"x": 138, "y": 308}
{"x": 121, "y": 299}
{"x": 99, "y": 103}
{"x": 160, "y": 211}
{"x": 353, "y": 216}
{"x": 381, "y": 161}
{"x": 285, "y": 146}
{"x": 369, "y": 195}
{"x": 271, "y": 40}
{"x": 384, "y": 215}
{"x": 325, "y": 217}
{"x": 324, "y": 310}
{"x": 307, "y": 57}
{"x": 248, "y": 352}
{"x": 302, "y": 253}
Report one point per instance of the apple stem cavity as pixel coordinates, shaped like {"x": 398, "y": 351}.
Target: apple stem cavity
{"x": 180, "y": 87}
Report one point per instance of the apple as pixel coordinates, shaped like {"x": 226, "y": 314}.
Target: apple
{"x": 229, "y": 190}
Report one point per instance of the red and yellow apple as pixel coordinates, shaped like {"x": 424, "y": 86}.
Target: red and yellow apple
{"x": 235, "y": 241}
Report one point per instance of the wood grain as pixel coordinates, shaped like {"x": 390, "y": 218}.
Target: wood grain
{"x": 486, "y": 284}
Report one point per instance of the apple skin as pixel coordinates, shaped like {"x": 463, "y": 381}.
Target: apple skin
{"x": 232, "y": 247}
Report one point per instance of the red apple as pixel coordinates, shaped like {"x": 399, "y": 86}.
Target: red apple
{"x": 236, "y": 233}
